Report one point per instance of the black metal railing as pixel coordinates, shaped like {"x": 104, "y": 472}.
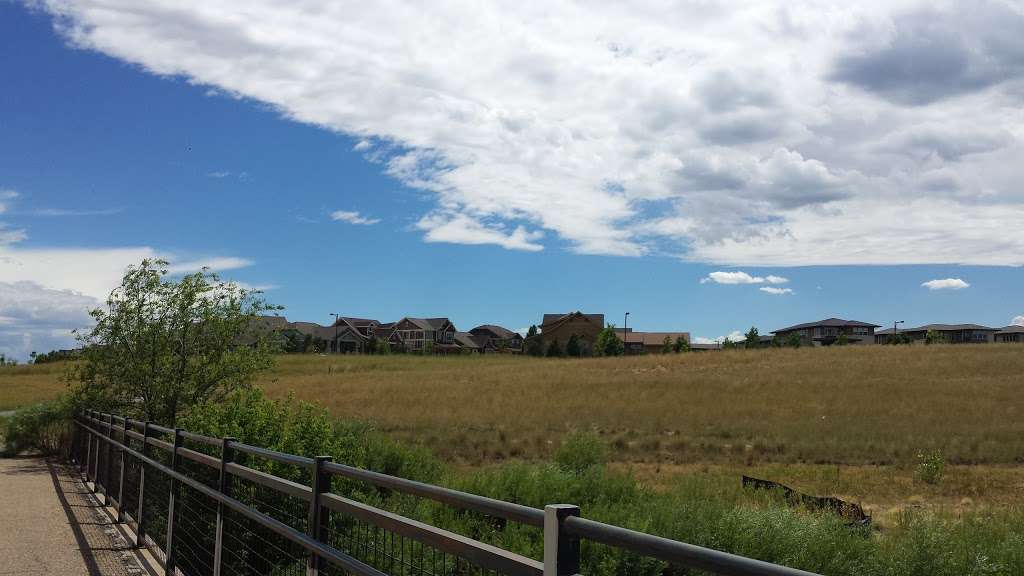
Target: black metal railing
{"x": 207, "y": 515}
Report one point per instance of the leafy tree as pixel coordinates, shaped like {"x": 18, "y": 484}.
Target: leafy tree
{"x": 572, "y": 348}
{"x": 555, "y": 350}
{"x": 371, "y": 346}
{"x": 666, "y": 345}
{"x": 608, "y": 343}
{"x": 934, "y": 337}
{"x": 532, "y": 331}
{"x": 752, "y": 339}
{"x": 428, "y": 347}
{"x": 384, "y": 347}
{"x": 794, "y": 340}
{"x": 534, "y": 342}
{"x": 680, "y": 345}
{"x": 161, "y": 346}
{"x": 842, "y": 340}
{"x": 728, "y": 344}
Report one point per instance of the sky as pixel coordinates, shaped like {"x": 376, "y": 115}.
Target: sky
{"x": 706, "y": 166}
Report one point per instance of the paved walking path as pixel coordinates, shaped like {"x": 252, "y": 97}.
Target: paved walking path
{"x": 52, "y": 524}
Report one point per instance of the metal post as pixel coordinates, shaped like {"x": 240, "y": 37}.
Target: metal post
{"x": 227, "y": 455}
{"x": 140, "y": 532}
{"x": 120, "y": 485}
{"x": 321, "y": 484}
{"x": 88, "y": 453}
{"x": 172, "y": 504}
{"x": 96, "y": 460}
{"x": 107, "y": 469}
{"x": 561, "y": 550}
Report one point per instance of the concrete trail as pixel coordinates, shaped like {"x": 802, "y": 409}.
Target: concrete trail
{"x": 52, "y": 524}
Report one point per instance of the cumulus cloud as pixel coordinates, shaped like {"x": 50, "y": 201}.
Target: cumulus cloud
{"x": 734, "y": 336}
{"x": 945, "y": 284}
{"x": 353, "y": 218}
{"x": 733, "y": 133}
{"x": 72, "y": 212}
{"x": 35, "y": 318}
{"x": 776, "y": 291}
{"x": 740, "y": 277}
{"x": 1018, "y": 321}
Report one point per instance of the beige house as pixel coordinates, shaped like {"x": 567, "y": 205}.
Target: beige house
{"x": 561, "y": 327}
{"x": 827, "y": 332}
{"x": 647, "y": 342}
{"x": 951, "y": 333}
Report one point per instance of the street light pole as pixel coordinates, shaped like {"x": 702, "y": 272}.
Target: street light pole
{"x": 894, "y": 330}
{"x": 625, "y": 333}
{"x": 336, "y": 344}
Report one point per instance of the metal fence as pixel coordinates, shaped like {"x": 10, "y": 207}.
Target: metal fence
{"x": 198, "y": 504}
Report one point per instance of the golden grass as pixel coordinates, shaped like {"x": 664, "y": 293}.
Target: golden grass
{"x": 26, "y": 384}
{"x": 868, "y": 405}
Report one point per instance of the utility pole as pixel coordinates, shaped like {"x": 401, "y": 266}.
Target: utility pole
{"x": 337, "y": 345}
{"x": 894, "y": 330}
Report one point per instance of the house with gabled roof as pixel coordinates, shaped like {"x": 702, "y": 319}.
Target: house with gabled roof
{"x": 950, "y": 333}
{"x": 827, "y": 332}
{"x": 1008, "y": 334}
{"x": 561, "y": 327}
{"x": 469, "y": 343}
{"x": 413, "y": 334}
{"x": 498, "y": 339}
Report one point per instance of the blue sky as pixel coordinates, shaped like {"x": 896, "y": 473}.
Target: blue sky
{"x": 119, "y": 143}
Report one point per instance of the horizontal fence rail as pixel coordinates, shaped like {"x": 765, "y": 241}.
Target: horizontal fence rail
{"x": 203, "y": 510}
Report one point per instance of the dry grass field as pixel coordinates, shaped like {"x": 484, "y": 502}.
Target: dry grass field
{"x": 846, "y": 421}
{"x": 870, "y": 405}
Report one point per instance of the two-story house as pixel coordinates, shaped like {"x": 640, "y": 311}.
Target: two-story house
{"x": 498, "y": 339}
{"x": 950, "y": 333}
{"x": 827, "y": 332}
{"x": 413, "y": 334}
{"x": 561, "y": 327}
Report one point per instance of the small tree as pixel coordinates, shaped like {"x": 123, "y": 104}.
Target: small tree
{"x": 728, "y": 344}
{"x": 752, "y": 339}
{"x": 934, "y": 337}
{"x": 555, "y": 350}
{"x": 608, "y": 343}
{"x": 428, "y": 347}
{"x": 680, "y": 345}
{"x": 572, "y": 348}
{"x": 163, "y": 345}
{"x": 666, "y": 345}
{"x": 843, "y": 340}
{"x": 793, "y": 340}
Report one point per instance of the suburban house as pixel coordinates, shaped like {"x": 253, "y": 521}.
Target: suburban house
{"x": 470, "y": 343}
{"x": 826, "y": 332}
{"x": 414, "y": 334}
{"x": 647, "y": 342}
{"x": 561, "y": 327}
{"x": 951, "y": 333}
{"x": 498, "y": 339}
{"x": 1010, "y": 334}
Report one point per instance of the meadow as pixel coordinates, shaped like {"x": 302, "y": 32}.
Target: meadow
{"x": 844, "y": 421}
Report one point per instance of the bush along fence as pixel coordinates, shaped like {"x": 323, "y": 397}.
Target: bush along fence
{"x": 201, "y": 510}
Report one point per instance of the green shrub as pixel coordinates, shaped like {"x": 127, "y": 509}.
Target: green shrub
{"x": 43, "y": 428}
{"x": 581, "y": 451}
{"x": 930, "y": 466}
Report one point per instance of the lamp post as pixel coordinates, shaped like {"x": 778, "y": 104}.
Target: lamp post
{"x": 625, "y": 333}
{"x": 894, "y": 330}
{"x": 336, "y": 345}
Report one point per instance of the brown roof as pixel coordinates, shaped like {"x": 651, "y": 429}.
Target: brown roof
{"x": 1015, "y": 329}
{"x": 651, "y": 338}
{"x": 555, "y": 318}
{"x": 832, "y": 322}
{"x": 428, "y": 323}
{"x": 467, "y": 340}
{"x": 940, "y": 328}
{"x": 499, "y": 331}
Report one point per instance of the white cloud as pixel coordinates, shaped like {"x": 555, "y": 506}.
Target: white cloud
{"x": 68, "y": 212}
{"x": 219, "y": 174}
{"x": 776, "y": 291}
{"x": 353, "y": 218}
{"x": 734, "y": 336}
{"x": 746, "y": 133}
{"x": 216, "y": 264}
{"x": 945, "y": 284}
{"x": 34, "y": 318}
{"x": 740, "y": 277}
{"x": 461, "y": 229}
{"x": 6, "y": 195}
{"x": 1018, "y": 321}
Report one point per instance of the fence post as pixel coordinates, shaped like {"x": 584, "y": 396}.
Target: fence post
{"x": 109, "y": 460}
{"x": 227, "y": 454}
{"x": 96, "y": 459}
{"x": 561, "y": 550}
{"x": 140, "y": 532}
{"x": 120, "y": 484}
{"x": 172, "y": 505}
{"x": 321, "y": 483}
{"x": 88, "y": 449}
